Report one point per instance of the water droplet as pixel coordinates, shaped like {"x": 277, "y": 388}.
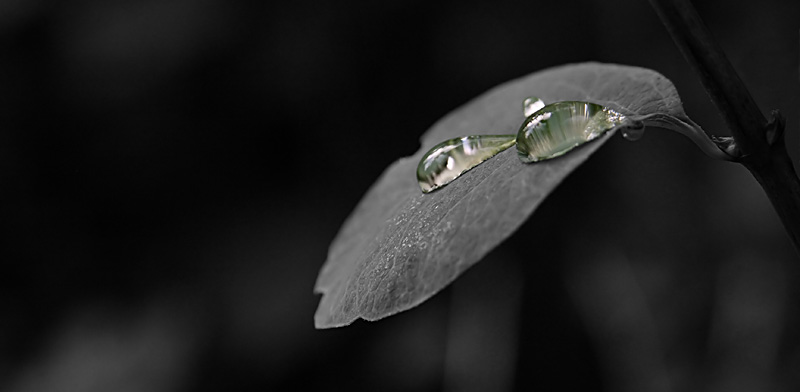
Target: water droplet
{"x": 559, "y": 127}
{"x": 633, "y": 131}
{"x": 449, "y": 159}
{"x": 530, "y": 105}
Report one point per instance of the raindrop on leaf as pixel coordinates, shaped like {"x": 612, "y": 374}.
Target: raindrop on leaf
{"x": 448, "y": 160}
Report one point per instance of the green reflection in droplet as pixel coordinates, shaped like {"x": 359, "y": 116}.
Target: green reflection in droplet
{"x": 449, "y": 159}
{"x": 559, "y": 127}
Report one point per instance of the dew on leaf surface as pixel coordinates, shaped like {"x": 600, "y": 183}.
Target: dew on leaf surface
{"x": 448, "y": 160}
{"x": 559, "y": 127}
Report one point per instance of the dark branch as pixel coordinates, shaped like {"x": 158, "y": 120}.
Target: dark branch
{"x": 721, "y": 81}
{"x": 760, "y": 143}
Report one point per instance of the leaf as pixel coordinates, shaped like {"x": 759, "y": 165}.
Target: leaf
{"x": 400, "y": 246}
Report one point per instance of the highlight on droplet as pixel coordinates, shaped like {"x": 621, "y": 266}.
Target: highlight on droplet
{"x": 448, "y": 160}
{"x": 634, "y": 131}
{"x": 559, "y": 127}
{"x": 530, "y": 105}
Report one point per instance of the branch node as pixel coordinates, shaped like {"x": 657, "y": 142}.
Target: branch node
{"x": 728, "y": 145}
{"x": 774, "y": 128}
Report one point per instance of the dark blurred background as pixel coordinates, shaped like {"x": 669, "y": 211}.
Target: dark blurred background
{"x": 173, "y": 171}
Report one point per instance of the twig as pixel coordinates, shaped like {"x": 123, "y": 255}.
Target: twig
{"x": 759, "y": 143}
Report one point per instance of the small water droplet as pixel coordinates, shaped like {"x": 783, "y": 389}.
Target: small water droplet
{"x": 447, "y": 160}
{"x": 634, "y": 131}
{"x": 530, "y": 105}
{"x": 559, "y": 127}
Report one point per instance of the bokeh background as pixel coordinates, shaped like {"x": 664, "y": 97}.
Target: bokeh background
{"x": 173, "y": 171}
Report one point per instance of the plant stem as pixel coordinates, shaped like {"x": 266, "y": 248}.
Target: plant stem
{"x": 759, "y": 143}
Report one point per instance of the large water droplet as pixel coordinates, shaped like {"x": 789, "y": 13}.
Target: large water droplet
{"x": 530, "y": 105}
{"x": 559, "y": 127}
{"x": 449, "y": 159}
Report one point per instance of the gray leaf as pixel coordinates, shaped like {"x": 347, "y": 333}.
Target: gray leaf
{"x": 400, "y": 246}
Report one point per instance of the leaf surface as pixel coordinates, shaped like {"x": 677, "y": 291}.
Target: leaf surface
{"x": 400, "y": 246}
